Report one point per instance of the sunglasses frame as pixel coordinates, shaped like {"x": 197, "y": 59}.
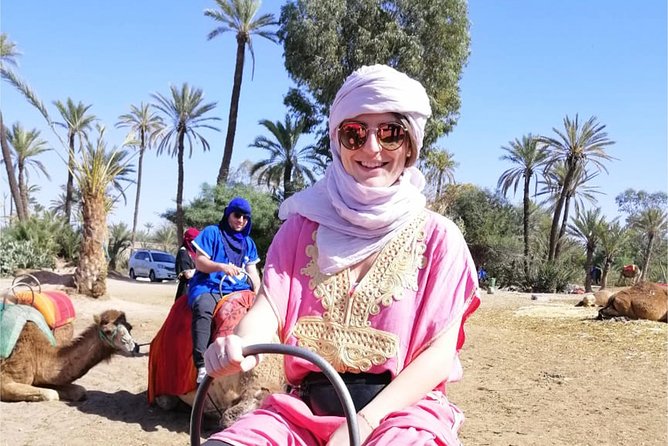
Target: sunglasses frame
{"x": 239, "y": 215}
{"x": 368, "y": 130}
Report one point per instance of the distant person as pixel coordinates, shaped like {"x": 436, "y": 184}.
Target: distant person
{"x": 185, "y": 261}
{"x": 596, "y": 275}
{"x": 226, "y": 261}
{"x": 482, "y": 274}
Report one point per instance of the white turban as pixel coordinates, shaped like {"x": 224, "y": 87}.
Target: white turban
{"x": 355, "y": 220}
{"x": 381, "y": 89}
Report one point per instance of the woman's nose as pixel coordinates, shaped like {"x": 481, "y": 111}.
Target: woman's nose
{"x": 371, "y": 144}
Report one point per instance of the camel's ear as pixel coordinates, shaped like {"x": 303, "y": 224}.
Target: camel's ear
{"x": 96, "y": 318}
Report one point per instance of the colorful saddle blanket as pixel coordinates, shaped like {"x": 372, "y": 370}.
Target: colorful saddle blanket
{"x": 12, "y": 319}
{"x": 55, "y": 306}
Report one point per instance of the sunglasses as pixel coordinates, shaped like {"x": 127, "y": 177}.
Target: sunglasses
{"x": 240, "y": 215}
{"x": 390, "y": 135}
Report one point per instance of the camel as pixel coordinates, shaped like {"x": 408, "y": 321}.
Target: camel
{"x": 38, "y": 371}
{"x": 629, "y": 273}
{"x": 229, "y": 396}
{"x": 237, "y": 394}
{"x": 642, "y": 301}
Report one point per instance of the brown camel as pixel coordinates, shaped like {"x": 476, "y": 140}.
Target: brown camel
{"x": 642, "y": 301}
{"x": 38, "y": 371}
{"x": 240, "y": 393}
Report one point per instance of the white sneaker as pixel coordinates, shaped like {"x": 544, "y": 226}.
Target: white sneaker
{"x": 201, "y": 374}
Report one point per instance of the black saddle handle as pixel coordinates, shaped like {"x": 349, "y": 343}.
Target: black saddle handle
{"x": 281, "y": 349}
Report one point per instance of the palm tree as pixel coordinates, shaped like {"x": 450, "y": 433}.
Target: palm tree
{"x": 286, "y": 164}
{"x": 57, "y": 205}
{"x": 579, "y": 192}
{"x": 185, "y": 111}
{"x": 27, "y": 146}
{"x": 612, "y": 238}
{"x": 576, "y": 146}
{"x": 97, "y": 172}
{"x": 8, "y": 55}
{"x": 119, "y": 241}
{"x": 238, "y": 16}
{"x": 652, "y": 222}
{"x": 587, "y": 226}
{"x": 529, "y": 156}
{"x": 77, "y": 122}
{"x": 145, "y": 126}
{"x": 439, "y": 168}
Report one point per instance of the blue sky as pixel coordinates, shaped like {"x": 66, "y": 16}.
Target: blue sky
{"x": 532, "y": 63}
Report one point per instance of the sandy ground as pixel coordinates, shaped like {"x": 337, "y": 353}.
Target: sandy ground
{"x": 536, "y": 373}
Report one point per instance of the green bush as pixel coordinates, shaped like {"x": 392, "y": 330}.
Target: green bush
{"x": 552, "y": 277}
{"x": 15, "y": 254}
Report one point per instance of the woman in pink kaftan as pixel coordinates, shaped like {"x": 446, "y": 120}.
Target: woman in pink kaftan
{"x": 363, "y": 274}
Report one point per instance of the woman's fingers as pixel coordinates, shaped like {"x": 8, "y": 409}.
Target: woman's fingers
{"x": 223, "y": 356}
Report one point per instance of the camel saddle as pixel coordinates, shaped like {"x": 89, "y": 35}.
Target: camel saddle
{"x": 12, "y": 319}
{"x": 55, "y": 306}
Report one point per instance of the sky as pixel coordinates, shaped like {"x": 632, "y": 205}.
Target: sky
{"x": 532, "y": 63}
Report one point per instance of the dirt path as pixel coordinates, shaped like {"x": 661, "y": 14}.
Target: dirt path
{"x": 536, "y": 373}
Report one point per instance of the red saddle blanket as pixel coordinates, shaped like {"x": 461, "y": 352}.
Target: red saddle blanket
{"x": 171, "y": 370}
{"x": 55, "y": 306}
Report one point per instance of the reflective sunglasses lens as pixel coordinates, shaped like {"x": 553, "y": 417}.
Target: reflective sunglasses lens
{"x": 352, "y": 135}
{"x": 391, "y": 136}
{"x": 239, "y": 215}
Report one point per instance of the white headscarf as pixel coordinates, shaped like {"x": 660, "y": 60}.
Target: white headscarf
{"x": 354, "y": 220}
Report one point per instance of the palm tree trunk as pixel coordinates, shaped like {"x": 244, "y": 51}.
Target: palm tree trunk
{"x": 13, "y": 185}
{"x": 23, "y": 189}
{"x": 588, "y": 265}
{"x": 91, "y": 273}
{"x": 648, "y": 254}
{"x": 554, "y": 230}
{"x": 526, "y": 202}
{"x": 179, "y": 190}
{"x": 604, "y": 275}
{"x": 234, "y": 110}
{"x": 564, "y": 223}
{"x": 139, "y": 167}
{"x": 288, "y": 188}
{"x": 69, "y": 192}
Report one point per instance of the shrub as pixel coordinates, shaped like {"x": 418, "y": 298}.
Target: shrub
{"x": 15, "y": 254}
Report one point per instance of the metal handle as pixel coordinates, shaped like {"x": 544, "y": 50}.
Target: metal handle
{"x": 245, "y": 273}
{"x": 282, "y": 349}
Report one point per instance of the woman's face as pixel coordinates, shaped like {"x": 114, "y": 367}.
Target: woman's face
{"x": 237, "y": 220}
{"x": 371, "y": 164}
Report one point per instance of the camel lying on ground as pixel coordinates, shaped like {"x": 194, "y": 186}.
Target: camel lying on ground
{"x": 241, "y": 393}
{"x": 38, "y": 371}
{"x": 642, "y": 301}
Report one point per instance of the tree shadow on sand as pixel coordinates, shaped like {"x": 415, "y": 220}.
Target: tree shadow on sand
{"x": 133, "y": 408}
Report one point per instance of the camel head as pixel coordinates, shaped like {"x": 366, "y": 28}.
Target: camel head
{"x": 114, "y": 330}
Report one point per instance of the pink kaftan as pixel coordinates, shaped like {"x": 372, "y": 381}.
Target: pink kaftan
{"x": 421, "y": 283}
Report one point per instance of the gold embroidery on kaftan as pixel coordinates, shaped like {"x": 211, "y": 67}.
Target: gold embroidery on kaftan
{"x": 343, "y": 334}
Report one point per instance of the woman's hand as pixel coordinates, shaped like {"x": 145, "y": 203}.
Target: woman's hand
{"x": 188, "y": 273}
{"x": 224, "y": 357}
{"x": 230, "y": 269}
{"x": 340, "y": 437}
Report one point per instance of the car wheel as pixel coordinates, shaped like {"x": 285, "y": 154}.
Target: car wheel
{"x": 132, "y": 274}
{"x": 151, "y": 276}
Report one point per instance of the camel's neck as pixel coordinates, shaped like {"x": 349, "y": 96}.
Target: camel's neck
{"x": 78, "y": 357}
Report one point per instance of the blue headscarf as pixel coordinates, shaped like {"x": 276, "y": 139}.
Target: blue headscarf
{"x": 233, "y": 241}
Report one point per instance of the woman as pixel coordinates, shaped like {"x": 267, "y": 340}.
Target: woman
{"x": 225, "y": 262}
{"x": 363, "y": 274}
{"x": 185, "y": 261}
